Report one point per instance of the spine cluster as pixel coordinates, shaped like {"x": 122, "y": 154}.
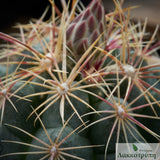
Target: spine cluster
{"x": 75, "y": 85}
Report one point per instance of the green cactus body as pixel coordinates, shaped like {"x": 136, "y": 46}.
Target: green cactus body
{"x": 73, "y": 141}
{"x": 2, "y": 71}
{"x": 19, "y": 116}
{"x": 102, "y": 130}
{"x": 52, "y": 117}
{"x": 78, "y": 83}
{"x": 110, "y": 156}
{"x": 151, "y": 123}
{"x": 5, "y": 148}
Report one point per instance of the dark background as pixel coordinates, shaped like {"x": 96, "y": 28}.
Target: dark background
{"x": 12, "y": 11}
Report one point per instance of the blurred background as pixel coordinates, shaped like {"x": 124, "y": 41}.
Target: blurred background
{"x": 146, "y": 9}
{"x": 14, "y": 11}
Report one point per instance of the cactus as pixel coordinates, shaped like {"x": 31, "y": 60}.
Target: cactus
{"x": 78, "y": 83}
